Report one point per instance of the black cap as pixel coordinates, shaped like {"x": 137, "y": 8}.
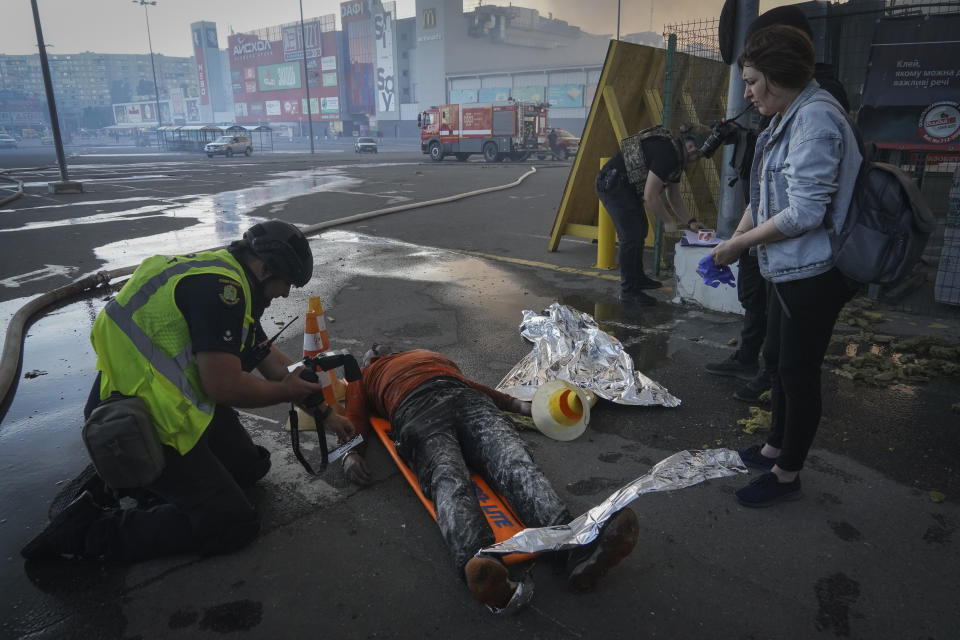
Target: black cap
{"x": 283, "y": 248}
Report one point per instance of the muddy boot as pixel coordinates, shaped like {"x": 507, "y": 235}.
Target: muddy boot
{"x": 615, "y": 542}
{"x": 489, "y": 581}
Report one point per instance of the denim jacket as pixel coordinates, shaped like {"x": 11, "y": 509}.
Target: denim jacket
{"x": 804, "y": 170}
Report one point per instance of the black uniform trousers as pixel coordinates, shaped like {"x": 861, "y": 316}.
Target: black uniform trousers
{"x": 203, "y": 508}
{"x": 626, "y": 210}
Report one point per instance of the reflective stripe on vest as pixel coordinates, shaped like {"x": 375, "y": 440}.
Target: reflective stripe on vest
{"x": 180, "y": 423}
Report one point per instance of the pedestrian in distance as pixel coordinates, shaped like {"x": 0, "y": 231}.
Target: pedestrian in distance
{"x": 803, "y": 177}
{"x": 556, "y": 152}
{"x": 181, "y": 339}
{"x": 645, "y": 175}
{"x": 744, "y": 363}
{"x": 445, "y": 424}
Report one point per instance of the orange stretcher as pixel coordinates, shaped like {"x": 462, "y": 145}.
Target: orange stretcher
{"x": 500, "y": 516}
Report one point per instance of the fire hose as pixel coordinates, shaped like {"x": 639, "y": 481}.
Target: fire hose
{"x": 10, "y": 361}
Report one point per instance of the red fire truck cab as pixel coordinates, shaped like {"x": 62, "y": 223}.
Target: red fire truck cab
{"x": 498, "y": 130}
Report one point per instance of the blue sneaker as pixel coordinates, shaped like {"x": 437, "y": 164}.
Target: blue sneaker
{"x": 752, "y": 457}
{"x": 766, "y": 490}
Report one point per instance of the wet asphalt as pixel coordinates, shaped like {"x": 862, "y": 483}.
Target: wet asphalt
{"x": 870, "y": 552}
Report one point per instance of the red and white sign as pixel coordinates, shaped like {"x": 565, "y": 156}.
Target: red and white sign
{"x": 940, "y": 122}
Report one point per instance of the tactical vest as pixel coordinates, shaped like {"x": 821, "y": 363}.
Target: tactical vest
{"x": 143, "y": 343}
{"x": 636, "y": 163}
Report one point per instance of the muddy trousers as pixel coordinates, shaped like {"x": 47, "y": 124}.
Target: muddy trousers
{"x": 802, "y": 316}
{"x": 202, "y": 505}
{"x": 454, "y": 429}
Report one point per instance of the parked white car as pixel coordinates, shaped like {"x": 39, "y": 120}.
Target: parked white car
{"x": 365, "y": 145}
{"x": 229, "y": 145}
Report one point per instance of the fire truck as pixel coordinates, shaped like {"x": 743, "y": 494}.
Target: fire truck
{"x": 498, "y": 130}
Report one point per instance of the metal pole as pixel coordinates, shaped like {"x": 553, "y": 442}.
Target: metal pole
{"x": 306, "y": 76}
{"x": 666, "y": 121}
{"x": 732, "y": 201}
{"x": 156, "y": 87}
{"x": 618, "y": 19}
{"x": 65, "y": 185}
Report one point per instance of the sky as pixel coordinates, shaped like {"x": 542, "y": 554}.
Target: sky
{"x": 119, "y": 26}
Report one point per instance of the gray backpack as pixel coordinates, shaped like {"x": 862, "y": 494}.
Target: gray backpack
{"x": 123, "y": 443}
{"x": 887, "y": 225}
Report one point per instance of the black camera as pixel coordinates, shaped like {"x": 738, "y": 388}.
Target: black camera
{"x": 720, "y": 133}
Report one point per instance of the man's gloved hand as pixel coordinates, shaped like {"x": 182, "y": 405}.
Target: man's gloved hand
{"x": 355, "y": 469}
{"x": 519, "y": 406}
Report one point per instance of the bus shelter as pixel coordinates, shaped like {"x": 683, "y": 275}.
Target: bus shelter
{"x": 188, "y": 137}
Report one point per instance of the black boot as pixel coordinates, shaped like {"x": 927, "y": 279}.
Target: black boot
{"x": 66, "y": 534}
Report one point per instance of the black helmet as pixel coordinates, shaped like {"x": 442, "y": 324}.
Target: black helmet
{"x": 283, "y": 248}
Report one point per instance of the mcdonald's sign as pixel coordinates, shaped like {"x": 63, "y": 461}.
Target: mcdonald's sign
{"x": 429, "y": 18}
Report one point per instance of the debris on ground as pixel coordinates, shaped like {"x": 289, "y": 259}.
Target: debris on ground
{"x": 36, "y": 373}
{"x": 759, "y": 420}
{"x": 937, "y": 496}
{"x": 882, "y": 360}
{"x": 521, "y": 421}
{"x": 732, "y": 342}
{"x": 859, "y": 313}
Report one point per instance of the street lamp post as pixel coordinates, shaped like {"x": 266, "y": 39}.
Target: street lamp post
{"x": 306, "y": 75}
{"x": 156, "y": 87}
{"x": 65, "y": 185}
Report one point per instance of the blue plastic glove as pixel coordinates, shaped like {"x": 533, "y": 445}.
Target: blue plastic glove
{"x": 713, "y": 275}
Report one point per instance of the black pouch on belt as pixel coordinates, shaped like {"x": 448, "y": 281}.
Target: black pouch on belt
{"x": 123, "y": 443}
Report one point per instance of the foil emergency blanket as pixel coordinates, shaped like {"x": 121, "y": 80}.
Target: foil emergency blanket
{"x": 570, "y": 346}
{"x": 683, "y": 469}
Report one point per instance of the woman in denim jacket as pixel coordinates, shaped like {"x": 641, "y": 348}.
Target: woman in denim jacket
{"x": 804, "y": 170}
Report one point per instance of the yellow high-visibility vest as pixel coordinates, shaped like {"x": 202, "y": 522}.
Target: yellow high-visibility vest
{"x": 143, "y": 343}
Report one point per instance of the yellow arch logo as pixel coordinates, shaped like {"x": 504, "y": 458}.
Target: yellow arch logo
{"x": 429, "y": 18}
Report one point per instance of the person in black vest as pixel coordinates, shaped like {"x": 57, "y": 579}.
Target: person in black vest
{"x": 650, "y": 166}
{"x": 751, "y": 287}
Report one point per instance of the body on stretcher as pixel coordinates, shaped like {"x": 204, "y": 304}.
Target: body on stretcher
{"x": 495, "y": 508}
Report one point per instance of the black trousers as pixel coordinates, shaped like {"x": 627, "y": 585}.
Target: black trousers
{"x": 752, "y": 293}
{"x": 445, "y": 428}
{"x": 626, "y": 210}
{"x": 802, "y": 317}
{"x": 203, "y": 505}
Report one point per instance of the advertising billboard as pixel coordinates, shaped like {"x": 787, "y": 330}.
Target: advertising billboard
{"x": 911, "y": 94}
{"x": 268, "y": 76}
{"x": 275, "y": 77}
{"x": 383, "y": 30}
{"x": 460, "y": 96}
{"x": 493, "y": 94}
{"x": 527, "y": 94}
{"x": 296, "y": 40}
{"x": 565, "y": 95}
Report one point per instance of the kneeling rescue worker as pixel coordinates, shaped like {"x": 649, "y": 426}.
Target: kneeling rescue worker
{"x": 180, "y": 340}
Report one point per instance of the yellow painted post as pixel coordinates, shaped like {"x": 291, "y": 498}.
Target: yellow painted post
{"x": 606, "y": 236}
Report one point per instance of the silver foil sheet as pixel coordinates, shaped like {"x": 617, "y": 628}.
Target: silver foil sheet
{"x": 683, "y": 469}
{"x": 570, "y": 346}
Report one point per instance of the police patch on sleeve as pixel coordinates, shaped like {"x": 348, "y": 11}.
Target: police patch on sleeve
{"x": 230, "y": 294}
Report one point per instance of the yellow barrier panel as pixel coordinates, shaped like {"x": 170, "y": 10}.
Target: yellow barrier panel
{"x": 628, "y": 99}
